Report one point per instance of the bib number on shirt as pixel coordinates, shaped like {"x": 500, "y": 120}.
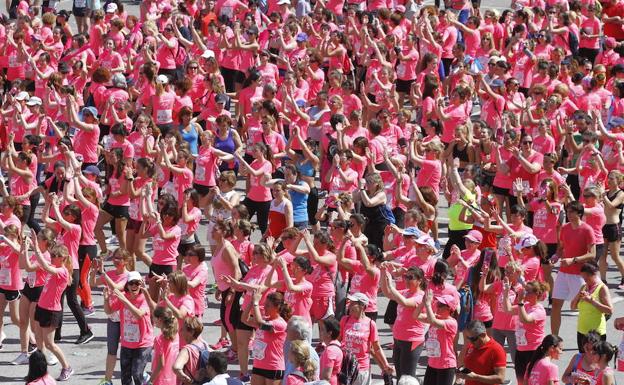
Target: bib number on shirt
{"x": 200, "y": 172}
{"x": 521, "y": 337}
{"x": 433, "y": 348}
{"x": 163, "y": 116}
{"x": 31, "y": 278}
{"x": 5, "y": 277}
{"x": 258, "y": 350}
{"x": 131, "y": 332}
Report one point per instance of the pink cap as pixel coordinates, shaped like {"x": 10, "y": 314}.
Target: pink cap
{"x": 448, "y": 300}
{"x": 474, "y": 236}
{"x": 610, "y": 42}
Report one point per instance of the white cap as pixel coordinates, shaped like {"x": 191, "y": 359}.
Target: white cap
{"x": 134, "y": 276}
{"x": 527, "y": 240}
{"x": 22, "y": 96}
{"x": 358, "y": 297}
{"x": 111, "y": 8}
{"x": 34, "y": 101}
{"x": 162, "y": 79}
{"x": 280, "y": 2}
{"x": 208, "y": 54}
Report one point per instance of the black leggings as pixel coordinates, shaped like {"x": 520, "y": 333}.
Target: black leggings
{"x": 29, "y": 213}
{"x": 313, "y": 201}
{"x": 435, "y": 376}
{"x": 405, "y": 358}
{"x": 74, "y": 306}
{"x": 261, "y": 209}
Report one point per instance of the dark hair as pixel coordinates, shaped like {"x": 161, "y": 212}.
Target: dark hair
{"x": 576, "y": 206}
{"x": 323, "y": 237}
{"x": 304, "y": 264}
{"x": 194, "y": 195}
{"x": 198, "y": 251}
{"x": 419, "y": 274}
{"x": 440, "y": 272}
{"x": 218, "y": 362}
{"x": 375, "y": 252}
{"x": 548, "y": 342}
{"x": 590, "y": 267}
{"x": 226, "y": 227}
{"x": 277, "y": 299}
{"x": 520, "y": 210}
{"x": 172, "y": 212}
{"x": 37, "y": 366}
{"x": 604, "y": 348}
{"x": 475, "y": 272}
{"x": 332, "y": 327}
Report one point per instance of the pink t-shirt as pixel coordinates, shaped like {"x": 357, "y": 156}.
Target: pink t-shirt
{"x": 166, "y": 250}
{"x": 256, "y": 275}
{"x": 182, "y": 181}
{"x": 461, "y": 271}
{"x": 575, "y": 243}
{"x": 357, "y": 336}
{"x": 406, "y": 327}
{"x": 332, "y": 358}
{"x": 440, "y": 345}
{"x": 71, "y": 239}
{"x": 10, "y": 273}
{"x": 545, "y": 221}
{"x": 268, "y": 346}
{"x": 257, "y": 192}
{"x": 363, "y": 282}
{"x": 37, "y": 278}
{"x": 198, "y": 292}
{"x": 135, "y": 333}
{"x": 163, "y": 107}
{"x": 168, "y": 350}
{"x": 45, "y": 380}
{"x": 56, "y": 283}
{"x": 300, "y": 302}
{"x": 530, "y": 335}
{"x": 430, "y": 174}
{"x": 543, "y": 372}
{"x": 90, "y": 214}
{"x": 502, "y": 319}
{"x": 596, "y": 219}
{"x": 456, "y": 117}
{"x": 86, "y": 143}
{"x": 322, "y": 278}
{"x": 205, "y": 167}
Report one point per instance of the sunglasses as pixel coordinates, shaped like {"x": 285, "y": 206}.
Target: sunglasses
{"x": 410, "y": 277}
{"x": 193, "y": 68}
{"x": 527, "y": 142}
{"x": 134, "y": 283}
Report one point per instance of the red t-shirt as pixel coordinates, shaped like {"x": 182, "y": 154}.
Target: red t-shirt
{"x": 576, "y": 242}
{"x": 485, "y": 359}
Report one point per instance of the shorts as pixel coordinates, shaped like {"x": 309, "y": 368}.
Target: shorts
{"x": 611, "y": 232}
{"x": 134, "y": 225}
{"x": 236, "y": 313}
{"x": 567, "y": 286}
{"x": 48, "y": 318}
{"x": 113, "y": 334}
{"x": 268, "y": 374}
{"x": 116, "y": 212}
{"x": 32, "y": 293}
{"x": 322, "y": 307}
{"x": 500, "y": 191}
{"x": 521, "y": 361}
{"x": 81, "y": 12}
{"x": 201, "y": 189}
{"x": 156, "y": 269}
{"x": 10, "y": 295}
{"x": 404, "y": 86}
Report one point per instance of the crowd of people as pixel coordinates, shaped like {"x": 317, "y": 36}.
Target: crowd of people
{"x": 350, "y": 125}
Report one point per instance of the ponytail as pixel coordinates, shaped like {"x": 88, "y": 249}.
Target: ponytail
{"x": 62, "y": 251}
{"x": 277, "y": 299}
{"x": 548, "y": 342}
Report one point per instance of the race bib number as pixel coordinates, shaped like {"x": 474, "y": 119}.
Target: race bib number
{"x": 433, "y": 348}
{"x": 31, "y": 278}
{"x": 163, "y": 116}
{"x": 521, "y": 337}
{"x": 258, "y": 350}
{"x": 200, "y": 172}
{"x": 131, "y": 332}
{"x": 133, "y": 210}
{"x": 114, "y": 317}
{"x": 5, "y": 277}
{"x": 400, "y": 70}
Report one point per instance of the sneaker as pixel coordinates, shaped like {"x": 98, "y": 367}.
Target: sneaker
{"x": 88, "y": 311}
{"x": 111, "y": 239}
{"x": 244, "y": 378}
{"x": 105, "y": 382}
{"x": 231, "y": 356}
{"x": 31, "y": 348}
{"x": 84, "y": 338}
{"x": 22, "y": 359}
{"x": 52, "y": 360}
{"x": 65, "y": 374}
{"x": 223, "y": 343}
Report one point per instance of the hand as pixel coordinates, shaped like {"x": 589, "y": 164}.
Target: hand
{"x": 567, "y": 261}
{"x": 518, "y": 186}
{"x": 257, "y": 296}
{"x": 506, "y": 285}
{"x": 585, "y": 296}
{"x": 428, "y": 297}
{"x": 270, "y": 241}
{"x": 336, "y": 159}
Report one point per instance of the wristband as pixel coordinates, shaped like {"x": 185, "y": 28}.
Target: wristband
{"x": 521, "y": 304}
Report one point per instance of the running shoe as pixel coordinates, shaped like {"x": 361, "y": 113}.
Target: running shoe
{"x": 105, "y": 382}
{"x": 231, "y": 356}
{"x": 245, "y": 378}
{"x": 22, "y": 359}
{"x": 52, "y": 360}
{"x": 84, "y": 338}
{"x": 65, "y": 374}
{"x": 31, "y": 348}
{"x": 88, "y": 311}
{"x": 222, "y": 343}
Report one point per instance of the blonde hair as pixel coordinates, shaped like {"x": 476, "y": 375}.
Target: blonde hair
{"x": 169, "y": 322}
{"x": 301, "y": 357}
{"x": 62, "y": 251}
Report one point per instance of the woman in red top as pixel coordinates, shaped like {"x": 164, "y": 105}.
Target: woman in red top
{"x": 280, "y": 212}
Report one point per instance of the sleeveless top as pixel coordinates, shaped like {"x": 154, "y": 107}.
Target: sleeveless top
{"x": 190, "y": 137}
{"x": 218, "y": 210}
{"x": 220, "y": 268}
{"x": 226, "y": 145}
{"x": 300, "y": 204}
{"x": 612, "y": 197}
{"x": 306, "y": 169}
{"x": 461, "y": 154}
{"x": 589, "y": 317}
{"x": 277, "y": 218}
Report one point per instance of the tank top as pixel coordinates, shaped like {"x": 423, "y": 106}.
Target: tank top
{"x": 218, "y": 210}
{"x": 300, "y": 205}
{"x": 578, "y": 371}
{"x": 226, "y": 145}
{"x": 277, "y": 218}
{"x": 591, "y": 318}
{"x": 220, "y": 268}
{"x": 306, "y": 169}
{"x": 461, "y": 154}
{"x": 613, "y": 196}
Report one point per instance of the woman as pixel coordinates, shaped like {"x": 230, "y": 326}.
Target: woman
{"x": 373, "y": 197}
{"x": 196, "y": 272}
{"x": 140, "y": 189}
{"x": 227, "y": 140}
{"x": 532, "y": 251}
{"x": 189, "y": 223}
{"x": 220, "y": 202}
{"x": 298, "y": 191}
{"x": 442, "y": 361}
{"x": 408, "y": 331}
{"x": 593, "y": 302}
{"x": 188, "y": 129}
{"x": 225, "y": 262}
{"x": 603, "y": 352}
{"x": 541, "y": 369}
{"x": 166, "y": 347}
{"x": 161, "y": 104}
{"x": 582, "y": 365}
{"x": 297, "y": 289}
{"x": 187, "y": 365}
{"x": 530, "y": 329}
{"x": 10, "y": 275}
{"x": 305, "y": 369}
{"x": 111, "y": 279}
{"x": 364, "y": 273}
{"x": 48, "y": 312}
{"x": 175, "y": 297}
{"x": 460, "y": 148}
{"x": 38, "y": 370}
{"x": 307, "y": 163}
{"x": 613, "y": 200}
{"x": 260, "y": 273}
{"x": 280, "y": 211}
{"x": 182, "y": 171}
{"x": 136, "y": 332}
{"x": 331, "y": 358}
{"x": 358, "y": 335}
{"x": 268, "y": 352}
{"x": 258, "y": 199}
{"x": 321, "y": 255}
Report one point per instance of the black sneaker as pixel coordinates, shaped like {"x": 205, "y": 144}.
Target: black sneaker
{"x": 31, "y": 348}
{"x": 84, "y": 338}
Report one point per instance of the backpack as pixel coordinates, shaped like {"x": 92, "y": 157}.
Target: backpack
{"x": 387, "y": 214}
{"x": 573, "y": 42}
{"x": 466, "y": 304}
{"x": 349, "y": 369}
{"x": 202, "y": 363}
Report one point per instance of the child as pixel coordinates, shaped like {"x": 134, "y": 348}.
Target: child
{"x": 166, "y": 347}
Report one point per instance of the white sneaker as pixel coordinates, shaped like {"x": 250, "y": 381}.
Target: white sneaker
{"x": 22, "y": 359}
{"x": 52, "y": 360}
{"x": 111, "y": 239}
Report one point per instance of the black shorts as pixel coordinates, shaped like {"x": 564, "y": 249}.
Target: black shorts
{"x": 156, "y": 269}
{"x": 201, "y": 189}
{"x": 268, "y": 374}
{"x": 236, "y": 314}
{"x": 611, "y": 232}
{"x": 32, "y": 293}
{"x": 116, "y": 212}
{"x": 404, "y": 86}
{"x": 10, "y": 295}
{"x": 500, "y": 191}
{"x": 48, "y": 318}
{"x": 81, "y": 12}
{"x": 134, "y": 225}
{"x": 521, "y": 362}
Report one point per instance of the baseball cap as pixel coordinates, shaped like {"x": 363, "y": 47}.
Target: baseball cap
{"x": 358, "y": 297}
{"x": 474, "y": 236}
{"x": 91, "y": 110}
{"x": 208, "y": 54}
{"x": 93, "y": 170}
{"x": 302, "y": 36}
{"x": 34, "y": 101}
{"x": 527, "y": 240}
{"x": 119, "y": 81}
{"x": 22, "y": 96}
{"x": 111, "y": 8}
{"x": 220, "y": 98}
{"x": 412, "y": 232}
{"x": 280, "y": 2}
{"x": 400, "y": 8}
{"x": 448, "y": 300}
{"x": 167, "y": 9}
{"x": 497, "y": 83}
{"x": 610, "y": 42}
{"x": 134, "y": 276}
{"x": 162, "y": 79}
{"x": 426, "y": 240}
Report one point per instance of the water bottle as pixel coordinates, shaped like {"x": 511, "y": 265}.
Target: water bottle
{"x": 387, "y": 379}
